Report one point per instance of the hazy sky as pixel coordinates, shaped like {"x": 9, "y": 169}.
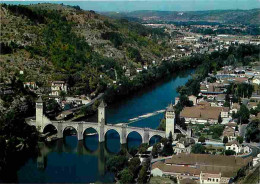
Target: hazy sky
{"x": 163, "y": 5}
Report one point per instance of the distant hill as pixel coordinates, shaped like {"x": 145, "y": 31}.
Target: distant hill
{"x": 251, "y": 17}
{"x": 57, "y": 42}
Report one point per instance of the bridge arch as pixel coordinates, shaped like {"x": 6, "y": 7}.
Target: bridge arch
{"x": 134, "y": 142}
{"x": 70, "y": 127}
{"x": 89, "y": 127}
{"x": 50, "y": 127}
{"x": 112, "y": 137}
{"x": 90, "y": 138}
{"x": 154, "y": 139}
{"x": 111, "y": 129}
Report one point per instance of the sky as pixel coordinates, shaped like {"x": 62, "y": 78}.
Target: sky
{"x": 162, "y": 5}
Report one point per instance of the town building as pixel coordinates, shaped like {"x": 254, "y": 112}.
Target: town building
{"x": 193, "y": 99}
{"x": 57, "y": 87}
{"x": 183, "y": 145}
{"x": 202, "y": 167}
{"x": 30, "y": 85}
{"x": 238, "y": 148}
{"x": 230, "y": 133}
{"x": 203, "y": 113}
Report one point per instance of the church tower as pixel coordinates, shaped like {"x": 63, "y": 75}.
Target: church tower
{"x": 39, "y": 113}
{"x": 170, "y": 120}
{"x": 102, "y": 113}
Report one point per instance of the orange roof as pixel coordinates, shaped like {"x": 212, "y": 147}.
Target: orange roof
{"x": 228, "y": 131}
{"x": 201, "y": 112}
{"x": 226, "y": 165}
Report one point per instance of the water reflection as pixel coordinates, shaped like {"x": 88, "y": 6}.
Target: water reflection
{"x": 112, "y": 137}
{"x": 91, "y": 139}
{"x": 134, "y": 140}
{"x": 155, "y": 139}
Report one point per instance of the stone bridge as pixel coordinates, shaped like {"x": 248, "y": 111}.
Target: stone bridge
{"x": 122, "y": 130}
{"x": 101, "y": 127}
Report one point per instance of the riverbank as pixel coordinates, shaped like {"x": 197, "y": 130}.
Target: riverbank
{"x": 147, "y": 77}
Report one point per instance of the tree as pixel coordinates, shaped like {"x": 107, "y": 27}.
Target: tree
{"x": 167, "y": 149}
{"x": 230, "y": 152}
{"x": 52, "y": 105}
{"x": 253, "y": 131}
{"x": 116, "y": 163}
{"x": 62, "y": 95}
{"x": 163, "y": 140}
{"x": 225, "y": 139}
{"x": 198, "y": 149}
{"x": 143, "y": 147}
{"x": 170, "y": 139}
{"x": 134, "y": 165}
{"x": 219, "y": 119}
{"x": 216, "y": 130}
{"x": 133, "y": 151}
{"x": 142, "y": 177}
{"x": 126, "y": 176}
{"x": 240, "y": 139}
{"x": 156, "y": 149}
{"x": 243, "y": 114}
{"x": 201, "y": 139}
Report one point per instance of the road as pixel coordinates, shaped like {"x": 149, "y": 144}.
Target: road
{"x": 160, "y": 159}
{"x": 88, "y": 104}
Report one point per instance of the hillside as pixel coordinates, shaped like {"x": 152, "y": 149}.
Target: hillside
{"x": 251, "y": 17}
{"x": 56, "y": 42}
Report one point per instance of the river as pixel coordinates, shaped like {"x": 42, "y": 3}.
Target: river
{"x": 72, "y": 161}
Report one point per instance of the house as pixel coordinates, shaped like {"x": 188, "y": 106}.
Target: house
{"x": 230, "y": 133}
{"x": 207, "y": 178}
{"x": 193, "y": 99}
{"x": 238, "y": 148}
{"x": 202, "y": 114}
{"x": 30, "y": 85}
{"x": 221, "y": 98}
{"x": 201, "y": 167}
{"x": 252, "y": 105}
{"x": 256, "y": 81}
{"x": 57, "y": 87}
{"x": 183, "y": 145}
{"x": 234, "y": 108}
{"x": 240, "y": 80}
{"x": 127, "y": 73}
{"x": 139, "y": 70}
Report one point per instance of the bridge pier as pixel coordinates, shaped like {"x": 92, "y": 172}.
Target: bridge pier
{"x": 145, "y": 136}
{"x": 123, "y": 135}
{"x": 59, "y": 131}
{"x": 101, "y": 135}
{"x": 80, "y": 131}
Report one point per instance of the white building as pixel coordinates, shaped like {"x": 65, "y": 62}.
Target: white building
{"x": 57, "y": 87}
{"x": 193, "y": 99}
{"x": 235, "y": 146}
{"x": 256, "y": 81}
{"x": 238, "y": 148}
{"x": 207, "y": 178}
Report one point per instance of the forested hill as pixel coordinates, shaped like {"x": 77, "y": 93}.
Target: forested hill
{"x": 251, "y": 17}
{"x": 57, "y": 42}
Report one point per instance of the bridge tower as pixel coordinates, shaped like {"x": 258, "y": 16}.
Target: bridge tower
{"x": 102, "y": 113}
{"x": 170, "y": 120}
{"x": 101, "y": 120}
{"x": 39, "y": 114}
